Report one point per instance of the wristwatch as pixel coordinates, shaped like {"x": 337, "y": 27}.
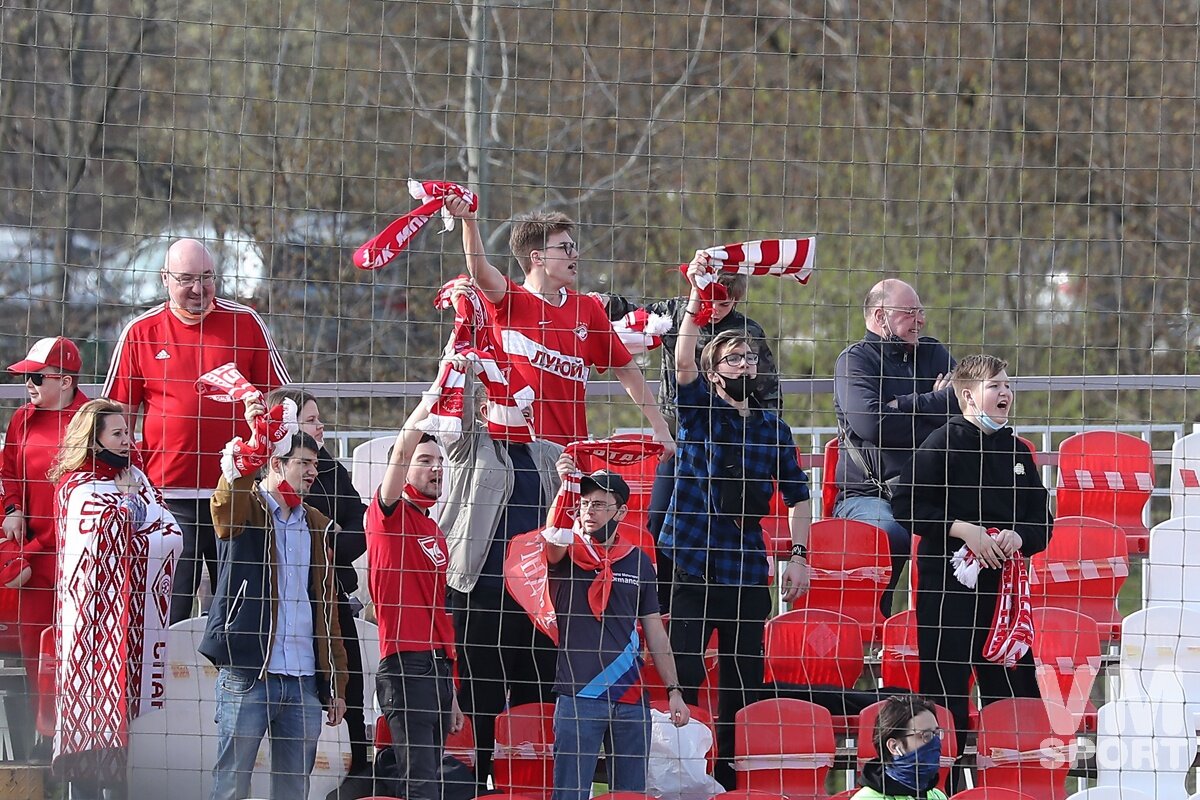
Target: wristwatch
{"x": 11, "y": 509}
{"x": 800, "y": 551}
{"x": 674, "y": 687}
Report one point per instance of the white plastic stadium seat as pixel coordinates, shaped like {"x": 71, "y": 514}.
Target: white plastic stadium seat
{"x": 1109, "y": 793}
{"x": 1172, "y": 570}
{"x": 367, "y": 464}
{"x": 172, "y": 750}
{"x": 1157, "y": 642}
{"x": 1147, "y": 744}
{"x": 1185, "y": 476}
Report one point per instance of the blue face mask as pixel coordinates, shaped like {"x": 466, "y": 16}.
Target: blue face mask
{"x": 987, "y": 422}
{"x": 917, "y": 769}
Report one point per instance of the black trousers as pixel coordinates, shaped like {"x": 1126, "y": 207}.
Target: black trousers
{"x": 738, "y": 615}
{"x": 199, "y": 549}
{"x": 502, "y": 660}
{"x": 356, "y": 727}
{"x": 416, "y": 696}
{"x": 953, "y": 623}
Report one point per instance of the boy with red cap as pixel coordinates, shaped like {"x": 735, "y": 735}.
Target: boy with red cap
{"x": 51, "y": 375}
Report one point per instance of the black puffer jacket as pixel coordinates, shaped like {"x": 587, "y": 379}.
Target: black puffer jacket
{"x": 334, "y": 495}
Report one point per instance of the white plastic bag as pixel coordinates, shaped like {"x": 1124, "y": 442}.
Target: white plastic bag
{"x": 678, "y": 764}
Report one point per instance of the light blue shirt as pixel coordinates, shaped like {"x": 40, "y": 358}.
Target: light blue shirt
{"x": 292, "y": 649}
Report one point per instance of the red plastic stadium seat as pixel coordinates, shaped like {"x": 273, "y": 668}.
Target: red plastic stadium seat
{"x": 814, "y": 647}
{"x": 461, "y": 745}
{"x": 785, "y": 747}
{"x": 1107, "y": 475}
{"x": 866, "y": 737}
{"x": 829, "y": 487}
{"x": 1011, "y": 737}
{"x": 900, "y": 663}
{"x": 524, "y": 759}
{"x": 850, "y": 565}
{"x": 1066, "y": 649}
{"x": 1082, "y": 570}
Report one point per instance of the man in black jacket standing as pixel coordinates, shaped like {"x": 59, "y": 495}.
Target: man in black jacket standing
{"x": 891, "y": 390}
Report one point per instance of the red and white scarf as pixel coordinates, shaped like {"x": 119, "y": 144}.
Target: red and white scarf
{"x": 384, "y": 246}
{"x": 273, "y": 434}
{"x": 782, "y": 257}
{"x": 227, "y": 384}
{"x": 525, "y": 565}
{"x": 1011, "y": 634}
{"x": 116, "y": 564}
{"x": 640, "y": 331}
{"x": 505, "y": 415}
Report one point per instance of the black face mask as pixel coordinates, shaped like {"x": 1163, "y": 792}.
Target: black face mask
{"x": 602, "y": 535}
{"x": 737, "y": 388}
{"x": 112, "y": 459}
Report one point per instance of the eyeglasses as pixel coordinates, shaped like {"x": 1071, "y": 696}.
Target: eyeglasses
{"x": 188, "y": 281}
{"x": 570, "y": 249}
{"x": 597, "y": 505}
{"x": 737, "y": 359}
{"x": 908, "y": 311}
{"x": 926, "y": 736}
{"x": 36, "y": 378}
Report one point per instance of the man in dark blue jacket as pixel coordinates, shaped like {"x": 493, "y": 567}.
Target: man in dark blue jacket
{"x": 273, "y": 627}
{"x": 891, "y": 390}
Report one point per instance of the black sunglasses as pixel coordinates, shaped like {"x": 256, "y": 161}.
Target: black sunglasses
{"x": 36, "y": 378}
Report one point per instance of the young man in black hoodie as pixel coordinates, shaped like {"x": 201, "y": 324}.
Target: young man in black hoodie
{"x": 971, "y": 476}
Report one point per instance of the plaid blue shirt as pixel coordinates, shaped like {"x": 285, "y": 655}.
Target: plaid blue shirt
{"x": 703, "y": 541}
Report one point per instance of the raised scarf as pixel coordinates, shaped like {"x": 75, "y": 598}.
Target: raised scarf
{"x": 781, "y": 257}
{"x": 384, "y": 246}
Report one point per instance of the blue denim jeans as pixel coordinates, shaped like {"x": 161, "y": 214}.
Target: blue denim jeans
{"x": 878, "y": 512}
{"x": 282, "y": 706}
{"x": 581, "y": 726}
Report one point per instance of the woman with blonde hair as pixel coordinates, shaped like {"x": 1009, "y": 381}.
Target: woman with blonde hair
{"x": 118, "y": 545}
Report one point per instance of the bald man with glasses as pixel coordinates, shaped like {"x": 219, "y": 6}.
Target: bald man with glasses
{"x": 157, "y": 360}
{"x": 891, "y": 390}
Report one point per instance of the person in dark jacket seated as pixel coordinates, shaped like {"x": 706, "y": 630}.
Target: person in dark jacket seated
{"x": 334, "y": 495}
{"x": 891, "y": 390}
{"x": 272, "y": 628}
{"x": 909, "y": 743}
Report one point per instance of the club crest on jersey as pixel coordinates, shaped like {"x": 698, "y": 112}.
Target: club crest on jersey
{"x": 581, "y": 332}
{"x": 432, "y": 549}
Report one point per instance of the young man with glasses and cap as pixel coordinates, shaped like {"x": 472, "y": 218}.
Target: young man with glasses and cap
{"x": 51, "y": 375}
{"x": 891, "y": 390}
{"x": 157, "y": 360}
{"x": 730, "y": 453}
{"x": 602, "y": 585}
{"x": 552, "y": 334}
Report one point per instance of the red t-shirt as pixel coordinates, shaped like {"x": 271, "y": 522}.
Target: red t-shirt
{"x": 156, "y": 363}
{"x": 407, "y": 559}
{"x": 553, "y": 347}
{"x": 30, "y": 447}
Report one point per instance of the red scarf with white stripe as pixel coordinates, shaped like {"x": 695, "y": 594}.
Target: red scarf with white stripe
{"x": 525, "y": 565}
{"x": 781, "y": 257}
{"x": 384, "y": 246}
{"x": 1011, "y": 634}
{"x": 505, "y": 414}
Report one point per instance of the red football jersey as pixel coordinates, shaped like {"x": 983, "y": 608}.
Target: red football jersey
{"x": 553, "y": 347}
{"x": 407, "y": 558}
{"x": 156, "y": 363}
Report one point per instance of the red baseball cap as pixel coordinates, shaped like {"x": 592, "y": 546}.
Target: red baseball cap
{"x": 56, "y": 352}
